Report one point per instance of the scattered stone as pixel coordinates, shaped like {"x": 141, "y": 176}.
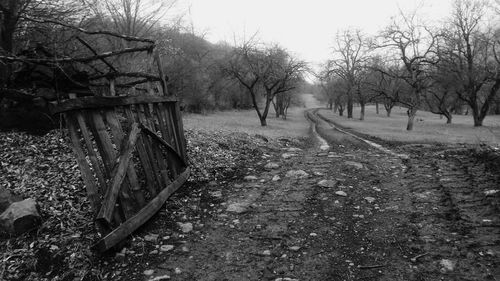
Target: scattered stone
{"x": 151, "y": 238}
{"x": 216, "y": 194}
{"x": 149, "y": 272}
{"x": 354, "y": 164}
{"x": 341, "y": 193}
{"x": 20, "y": 217}
{"x": 250, "y": 178}
{"x": 276, "y": 178}
{"x": 154, "y": 252}
{"x": 286, "y": 279}
{"x": 272, "y": 165}
{"x": 294, "y": 248}
{"x": 294, "y": 149}
{"x": 160, "y": 278}
{"x": 312, "y": 234}
{"x": 185, "y": 227}
{"x": 177, "y": 270}
{"x": 298, "y": 174}
{"x": 447, "y": 265}
{"x": 327, "y": 183}
{"x": 370, "y": 199}
{"x": 185, "y": 249}
{"x": 266, "y": 253}
{"x": 288, "y": 155}
{"x": 166, "y": 248}
{"x": 491, "y": 192}
{"x": 376, "y": 189}
{"x": 238, "y": 208}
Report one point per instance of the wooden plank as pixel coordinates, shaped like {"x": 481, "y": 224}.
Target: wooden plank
{"x": 102, "y": 102}
{"x": 149, "y": 150}
{"x": 177, "y": 116}
{"x": 156, "y": 149}
{"x": 88, "y": 179}
{"x": 104, "y": 143}
{"x": 165, "y": 144}
{"x": 118, "y": 174}
{"x": 142, "y": 216}
{"x": 91, "y": 153}
{"x": 118, "y": 135}
{"x": 168, "y": 111}
{"x": 166, "y": 133}
{"x": 163, "y": 81}
{"x": 143, "y": 155}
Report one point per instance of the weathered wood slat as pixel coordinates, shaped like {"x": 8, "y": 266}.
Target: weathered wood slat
{"x": 108, "y": 154}
{"x": 162, "y": 164}
{"x": 103, "y": 102}
{"x": 94, "y": 160}
{"x": 143, "y": 215}
{"x": 87, "y": 177}
{"x": 166, "y": 133}
{"x": 118, "y": 134}
{"x": 177, "y": 118}
{"x": 143, "y": 155}
{"x": 118, "y": 175}
{"x": 165, "y": 144}
{"x": 149, "y": 150}
{"x": 167, "y": 110}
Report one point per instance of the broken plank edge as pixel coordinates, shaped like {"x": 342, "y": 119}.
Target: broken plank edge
{"x": 129, "y": 226}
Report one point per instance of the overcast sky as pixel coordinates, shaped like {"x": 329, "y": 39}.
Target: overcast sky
{"x": 305, "y": 28}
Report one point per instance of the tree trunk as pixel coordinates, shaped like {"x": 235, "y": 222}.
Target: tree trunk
{"x": 376, "y": 108}
{"x": 263, "y": 121}
{"x": 341, "y": 111}
{"x": 448, "y": 118}
{"x": 350, "y": 105}
{"x": 388, "y": 110}
{"x": 335, "y": 107}
{"x": 362, "y": 112}
{"x": 412, "y": 112}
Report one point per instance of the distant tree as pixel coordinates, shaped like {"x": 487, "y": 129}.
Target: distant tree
{"x": 470, "y": 52}
{"x": 351, "y": 52}
{"x": 270, "y": 71}
{"x": 415, "y": 44}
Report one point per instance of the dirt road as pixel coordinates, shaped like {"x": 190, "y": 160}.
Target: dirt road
{"x": 352, "y": 212}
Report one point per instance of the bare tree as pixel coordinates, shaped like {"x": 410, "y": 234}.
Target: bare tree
{"x": 415, "y": 44}
{"x": 351, "y": 52}
{"x": 471, "y": 57}
{"x": 270, "y": 71}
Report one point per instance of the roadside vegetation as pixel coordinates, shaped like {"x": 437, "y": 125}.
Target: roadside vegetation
{"x": 430, "y": 128}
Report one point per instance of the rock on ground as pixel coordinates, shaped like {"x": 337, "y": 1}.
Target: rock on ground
{"x": 185, "y": 227}
{"x": 357, "y": 165}
{"x": 272, "y": 165}
{"x": 20, "y": 217}
{"x": 327, "y": 183}
{"x": 298, "y": 174}
{"x": 237, "y": 208}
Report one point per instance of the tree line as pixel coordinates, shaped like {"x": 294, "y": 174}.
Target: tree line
{"x": 49, "y": 48}
{"x": 449, "y": 69}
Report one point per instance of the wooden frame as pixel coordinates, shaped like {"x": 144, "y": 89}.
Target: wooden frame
{"x": 132, "y": 157}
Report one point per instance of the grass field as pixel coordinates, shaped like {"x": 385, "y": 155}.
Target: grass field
{"x": 429, "y": 128}
{"x": 247, "y": 121}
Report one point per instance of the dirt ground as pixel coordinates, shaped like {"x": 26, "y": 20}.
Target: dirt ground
{"x": 349, "y": 213}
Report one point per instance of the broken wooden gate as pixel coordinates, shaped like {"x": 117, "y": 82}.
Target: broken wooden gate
{"x": 132, "y": 157}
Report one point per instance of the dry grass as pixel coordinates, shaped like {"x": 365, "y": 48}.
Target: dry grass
{"x": 429, "y": 128}
{"x": 247, "y": 121}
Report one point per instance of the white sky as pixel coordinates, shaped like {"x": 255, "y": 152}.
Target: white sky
{"x": 305, "y": 28}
